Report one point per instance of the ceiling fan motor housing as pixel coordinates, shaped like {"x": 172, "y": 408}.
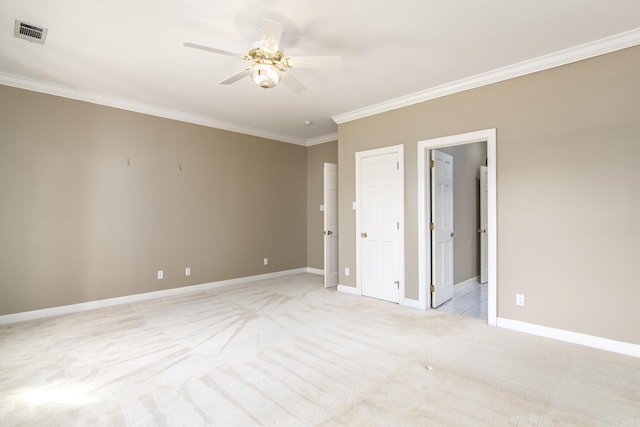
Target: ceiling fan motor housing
{"x": 261, "y": 55}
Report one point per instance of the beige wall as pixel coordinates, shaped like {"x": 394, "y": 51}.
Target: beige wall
{"x": 317, "y": 156}
{"x": 467, "y": 160}
{"x": 78, "y": 223}
{"x": 568, "y": 198}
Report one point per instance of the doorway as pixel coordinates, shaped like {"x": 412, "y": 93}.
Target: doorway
{"x": 456, "y": 239}
{"x": 425, "y": 251}
{"x": 330, "y": 193}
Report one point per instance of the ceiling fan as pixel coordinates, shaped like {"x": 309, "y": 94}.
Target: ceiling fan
{"x": 268, "y": 66}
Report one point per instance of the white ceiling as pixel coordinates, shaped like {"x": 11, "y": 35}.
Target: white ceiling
{"x": 129, "y": 53}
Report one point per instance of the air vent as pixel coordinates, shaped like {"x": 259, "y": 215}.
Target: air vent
{"x": 30, "y": 32}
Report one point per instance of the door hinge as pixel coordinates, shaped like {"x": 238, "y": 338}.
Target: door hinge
{"x": 432, "y": 163}
{"x": 398, "y": 165}
{"x": 398, "y": 225}
{"x": 433, "y": 287}
{"x": 432, "y": 226}
{"x": 397, "y": 283}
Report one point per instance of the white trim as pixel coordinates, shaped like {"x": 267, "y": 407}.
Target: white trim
{"x": 541, "y": 63}
{"x": 349, "y": 290}
{"x": 424, "y": 250}
{"x": 410, "y": 303}
{"x": 621, "y": 347}
{"x": 110, "y": 302}
{"x": 466, "y": 283}
{"x": 322, "y": 139}
{"x": 138, "y": 107}
{"x": 392, "y": 149}
{"x": 318, "y": 271}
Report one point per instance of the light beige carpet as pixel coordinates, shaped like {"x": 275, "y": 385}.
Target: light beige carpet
{"x": 286, "y": 352}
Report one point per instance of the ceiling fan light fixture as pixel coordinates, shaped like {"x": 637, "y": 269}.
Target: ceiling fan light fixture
{"x": 267, "y": 63}
{"x": 265, "y": 75}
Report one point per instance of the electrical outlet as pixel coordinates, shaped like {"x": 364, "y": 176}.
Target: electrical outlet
{"x": 266, "y": 261}
{"x": 160, "y": 274}
{"x": 520, "y": 299}
{"x": 347, "y": 271}
{"x": 187, "y": 271}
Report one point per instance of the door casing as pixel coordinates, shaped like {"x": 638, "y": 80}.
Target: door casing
{"x": 424, "y": 193}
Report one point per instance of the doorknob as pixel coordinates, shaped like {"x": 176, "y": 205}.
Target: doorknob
{"x": 328, "y": 233}
{"x": 482, "y": 230}
{"x": 453, "y": 234}
{"x": 363, "y": 235}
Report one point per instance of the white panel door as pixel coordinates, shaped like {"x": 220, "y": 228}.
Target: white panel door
{"x": 379, "y": 225}
{"x": 442, "y": 234}
{"x": 330, "y": 225}
{"x": 484, "y": 225}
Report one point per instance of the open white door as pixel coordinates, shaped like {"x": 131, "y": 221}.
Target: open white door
{"x": 484, "y": 225}
{"x": 330, "y": 225}
{"x": 380, "y": 200}
{"x": 441, "y": 227}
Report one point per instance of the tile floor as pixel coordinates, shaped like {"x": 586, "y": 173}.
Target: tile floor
{"x": 469, "y": 301}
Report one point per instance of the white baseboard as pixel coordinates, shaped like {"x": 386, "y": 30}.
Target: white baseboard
{"x": 349, "y": 290}
{"x": 110, "y": 302}
{"x": 466, "y": 283}
{"x": 315, "y": 271}
{"x": 411, "y": 303}
{"x": 621, "y": 347}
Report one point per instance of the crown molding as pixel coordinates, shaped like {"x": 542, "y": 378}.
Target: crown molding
{"x": 322, "y": 139}
{"x": 567, "y": 56}
{"x": 138, "y": 107}
{"x": 541, "y": 63}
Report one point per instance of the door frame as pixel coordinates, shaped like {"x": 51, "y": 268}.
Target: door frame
{"x": 360, "y": 155}
{"x": 424, "y": 214}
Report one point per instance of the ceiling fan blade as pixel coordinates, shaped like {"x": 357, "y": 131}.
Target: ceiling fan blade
{"x": 292, "y": 83}
{"x": 237, "y": 76}
{"x": 214, "y": 50}
{"x": 326, "y": 62}
{"x": 270, "y": 34}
